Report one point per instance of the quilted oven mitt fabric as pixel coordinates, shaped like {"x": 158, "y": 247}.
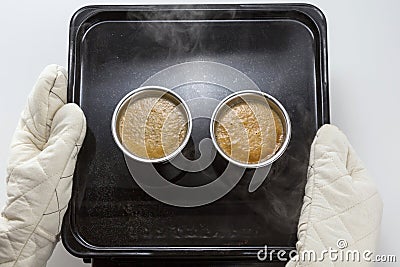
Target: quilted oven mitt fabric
{"x": 342, "y": 209}
{"x": 39, "y": 174}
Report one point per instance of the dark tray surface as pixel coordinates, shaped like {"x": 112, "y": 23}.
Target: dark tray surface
{"x": 282, "y": 48}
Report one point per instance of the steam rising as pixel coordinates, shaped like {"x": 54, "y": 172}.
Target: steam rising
{"x": 178, "y": 30}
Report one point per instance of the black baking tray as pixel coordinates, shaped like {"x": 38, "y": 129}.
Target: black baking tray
{"x": 115, "y": 49}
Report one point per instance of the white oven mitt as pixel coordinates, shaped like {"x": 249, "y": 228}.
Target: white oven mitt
{"x": 39, "y": 174}
{"x": 342, "y": 209}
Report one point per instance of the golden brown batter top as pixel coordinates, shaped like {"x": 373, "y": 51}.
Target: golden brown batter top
{"x": 153, "y": 127}
{"x": 249, "y": 131}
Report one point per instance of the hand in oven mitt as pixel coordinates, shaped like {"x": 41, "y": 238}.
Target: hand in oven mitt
{"x": 39, "y": 174}
{"x": 342, "y": 209}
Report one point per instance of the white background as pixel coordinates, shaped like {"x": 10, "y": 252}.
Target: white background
{"x": 364, "y": 52}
